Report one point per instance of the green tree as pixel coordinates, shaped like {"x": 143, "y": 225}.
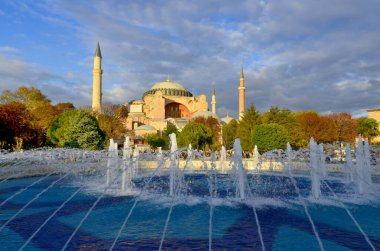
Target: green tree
{"x": 198, "y": 135}
{"x": 76, "y": 128}
{"x": 368, "y": 128}
{"x": 155, "y": 140}
{"x": 165, "y": 135}
{"x": 30, "y": 97}
{"x": 215, "y": 127}
{"x": 229, "y": 133}
{"x": 246, "y": 128}
{"x": 285, "y": 118}
{"x": 270, "y": 136}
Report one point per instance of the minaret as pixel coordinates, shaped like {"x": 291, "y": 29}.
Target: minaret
{"x": 241, "y": 94}
{"x": 213, "y": 101}
{"x": 97, "y": 81}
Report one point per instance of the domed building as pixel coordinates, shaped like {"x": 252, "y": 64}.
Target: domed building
{"x": 164, "y": 103}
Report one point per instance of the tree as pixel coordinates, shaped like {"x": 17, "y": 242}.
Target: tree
{"x": 229, "y": 133}
{"x": 165, "y": 135}
{"x": 111, "y": 121}
{"x": 155, "y": 140}
{"x": 215, "y": 127}
{"x": 347, "y": 128}
{"x": 246, "y": 128}
{"x": 16, "y": 130}
{"x": 368, "y": 128}
{"x": 62, "y": 107}
{"x": 76, "y": 128}
{"x": 285, "y": 118}
{"x": 198, "y": 135}
{"x": 270, "y": 136}
{"x": 322, "y": 128}
{"x": 30, "y": 97}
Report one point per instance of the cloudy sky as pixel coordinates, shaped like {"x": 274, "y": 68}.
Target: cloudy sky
{"x": 322, "y": 55}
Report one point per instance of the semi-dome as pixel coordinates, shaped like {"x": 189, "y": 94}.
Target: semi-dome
{"x": 169, "y": 88}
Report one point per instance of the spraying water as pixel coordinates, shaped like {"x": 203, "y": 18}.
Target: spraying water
{"x": 314, "y": 172}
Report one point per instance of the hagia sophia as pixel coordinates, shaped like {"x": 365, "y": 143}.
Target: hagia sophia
{"x": 164, "y": 103}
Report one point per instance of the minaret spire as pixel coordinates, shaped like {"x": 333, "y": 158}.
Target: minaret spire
{"x": 98, "y": 53}
{"x": 241, "y": 94}
{"x": 97, "y": 81}
{"x": 213, "y": 100}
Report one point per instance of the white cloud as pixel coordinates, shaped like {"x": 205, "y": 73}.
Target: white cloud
{"x": 9, "y": 49}
{"x": 300, "y": 55}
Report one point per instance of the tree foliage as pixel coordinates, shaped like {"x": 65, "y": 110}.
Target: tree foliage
{"x": 155, "y": 140}
{"x": 30, "y": 97}
{"x": 215, "y": 127}
{"x": 229, "y": 133}
{"x": 346, "y": 126}
{"x": 246, "y": 128}
{"x": 76, "y": 128}
{"x": 196, "y": 134}
{"x": 311, "y": 124}
{"x": 270, "y": 136}
{"x": 287, "y": 119}
{"x": 16, "y": 129}
{"x": 111, "y": 121}
{"x": 368, "y": 128}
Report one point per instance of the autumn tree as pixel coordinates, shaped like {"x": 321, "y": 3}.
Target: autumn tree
{"x": 30, "y": 97}
{"x": 229, "y": 133}
{"x": 246, "y": 128}
{"x": 111, "y": 121}
{"x": 311, "y": 124}
{"x": 368, "y": 128}
{"x": 215, "y": 127}
{"x": 196, "y": 134}
{"x": 346, "y": 126}
{"x": 16, "y": 131}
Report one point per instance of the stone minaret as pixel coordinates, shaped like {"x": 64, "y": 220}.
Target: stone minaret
{"x": 213, "y": 101}
{"x": 97, "y": 81}
{"x": 241, "y": 94}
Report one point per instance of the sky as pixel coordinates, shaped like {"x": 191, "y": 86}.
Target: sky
{"x": 303, "y": 55}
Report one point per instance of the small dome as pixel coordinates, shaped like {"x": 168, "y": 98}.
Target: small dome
{"x": 227, "y": 119}
{"x": 205, "y": 114}
{"x": 146, "y": 128}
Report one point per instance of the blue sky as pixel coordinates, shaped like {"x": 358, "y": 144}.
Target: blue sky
{"x": 322, "y": 55}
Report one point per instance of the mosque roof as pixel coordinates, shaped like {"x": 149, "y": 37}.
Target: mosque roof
{"x": 168, "y": 84}
{"x": 146, "y": 128}
{"x": 205, "y": 114}
{"x": 169, "y": 88}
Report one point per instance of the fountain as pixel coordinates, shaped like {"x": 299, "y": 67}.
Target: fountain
{"x": 70, "y": 199}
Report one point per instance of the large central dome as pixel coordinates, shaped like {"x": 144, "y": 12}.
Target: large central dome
{"x": 169, "y": 88}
